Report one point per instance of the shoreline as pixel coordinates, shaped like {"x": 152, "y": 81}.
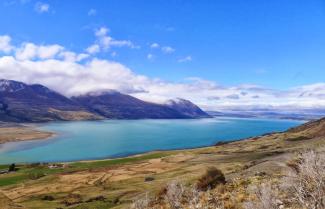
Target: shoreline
{"x": 36, "y": 133}
{"x": 23, "y": 132}
{"x": 142, "y": 154}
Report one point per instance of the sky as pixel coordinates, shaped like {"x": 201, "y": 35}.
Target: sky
{"x": 225, "y": 54}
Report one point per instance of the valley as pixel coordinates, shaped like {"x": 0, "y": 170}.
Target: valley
{"x": 117, "y": 183}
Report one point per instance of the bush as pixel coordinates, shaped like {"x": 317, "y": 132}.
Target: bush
{"x": 36, "y": 175}
{"x": 149, "y": 178}
{"x": 141, "y": 203}
{"x": 48, "y": 198}
{"x": 302, "y": 187}
{"x": 211, "y": 179}
{"x": 174, "y": 194}
{"x": 265, "y": 197}
{"x": 97, "y": 198}
{"x": 12, "y": 167}
{"x": 72, "y": 199}
{"x": 306, "y": 181}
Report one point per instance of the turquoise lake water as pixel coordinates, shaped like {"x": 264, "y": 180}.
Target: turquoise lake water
{"x": 117, "y": 138}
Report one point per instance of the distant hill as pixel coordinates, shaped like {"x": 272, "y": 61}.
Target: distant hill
{"x": 20, "y": 102}
{"x": 283, "y": 114}
{"x": 113, "y": 104}
{"x": 187, "y": 108}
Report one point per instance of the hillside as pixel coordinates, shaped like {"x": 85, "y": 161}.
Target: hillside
{"x": 20, "y": 102}
{"x": 113, "y": 104}
{"x": 187, "y": 108}
{"x": 312, "y": 129}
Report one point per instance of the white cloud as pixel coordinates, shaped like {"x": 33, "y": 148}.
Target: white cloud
{"x": 106, "y": 42}
{"x": 27, "y": 51}
{"x": 73, "y": 57}
{"x": 30, "y": 51}
{"x": 61, "y": 70}
{"x": 92, "y": 12}
{"x": 109, "y": 42}
{"x": 93, "y": 49}
{"x": 102, "y": 31}
{"x": 168, "y": 49}
{"x": 185, "y": 59}
{"x": 49, "y": 51}
{"x": 154, "y": 45}
{"x": 41, "y": 7}
{"x": 150, "y": 56}
{"x": 5, "y": 45}
{"x": 113, "y": 54}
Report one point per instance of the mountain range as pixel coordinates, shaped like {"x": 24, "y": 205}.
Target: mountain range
{"x": 20, "y": 102}
{"x": 303, "y": 114}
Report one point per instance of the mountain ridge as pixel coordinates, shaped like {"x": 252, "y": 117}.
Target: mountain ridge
{"x": 20, "y": 102}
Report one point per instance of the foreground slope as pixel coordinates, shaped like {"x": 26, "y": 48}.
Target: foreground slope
{"x": 117, "y": 183}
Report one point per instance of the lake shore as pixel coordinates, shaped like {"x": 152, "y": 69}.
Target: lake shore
{"x": 22, "y": 132}
{"x": 108, "y": 139}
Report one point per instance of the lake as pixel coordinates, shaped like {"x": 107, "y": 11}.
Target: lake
{"x": 84, "y": 140}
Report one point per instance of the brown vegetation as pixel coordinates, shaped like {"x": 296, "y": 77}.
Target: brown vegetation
{"x": 299, "y": 188}
{"x": 210, "y": 179}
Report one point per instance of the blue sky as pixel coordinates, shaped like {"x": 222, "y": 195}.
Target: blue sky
{"x": 275, "y": 44}
{"x": 231, "y": 42}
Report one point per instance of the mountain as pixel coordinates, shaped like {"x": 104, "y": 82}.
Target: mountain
{"x": 113, "y": 104}
{"x": 187, "y": 108}
{"x": 20, "y": 102}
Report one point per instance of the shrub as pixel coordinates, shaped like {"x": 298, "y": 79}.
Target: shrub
{"x": 174, "y": 194}
{"x": 149, "y": 178}
{"x": 142, "y": 203}
{"x": 97, "y": 198}
{"x": 47, "y": 198}
{"x": 12, "y": 167}
{"x": 265, "y": 197}
{"x": 211, "y": 179}
{"x": 306, "y": 181}
{"x": 36, "y": 175}
{"x": 72, "y": 199}
{"x": 302, "y": 187}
